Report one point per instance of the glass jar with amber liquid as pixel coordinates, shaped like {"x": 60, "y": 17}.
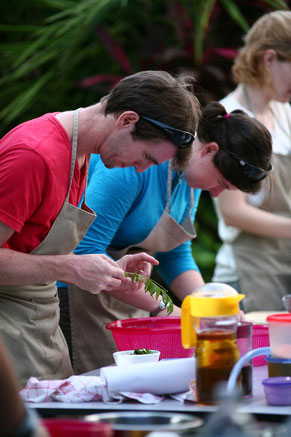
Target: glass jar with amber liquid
{"x": 216, "y": 353}
{"x": 209, "y": 323}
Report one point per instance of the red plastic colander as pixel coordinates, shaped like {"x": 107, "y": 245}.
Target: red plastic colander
{"x": 158, "y": 333}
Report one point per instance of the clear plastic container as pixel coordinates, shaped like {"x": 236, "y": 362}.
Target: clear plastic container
{"x": 280, "y": 335}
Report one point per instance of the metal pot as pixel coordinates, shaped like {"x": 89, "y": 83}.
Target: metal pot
{"x": 140, "y": 423}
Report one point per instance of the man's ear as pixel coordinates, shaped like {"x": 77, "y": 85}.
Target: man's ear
{"x": 127, "y": 120}
{"x": 209, "y": 149}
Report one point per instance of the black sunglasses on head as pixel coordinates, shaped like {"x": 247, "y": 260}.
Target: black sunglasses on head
{"x": 181, "y": 138}
{"x": 252, "y": 172}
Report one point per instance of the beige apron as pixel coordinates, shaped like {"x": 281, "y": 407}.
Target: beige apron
{"x": 264, "y": 264}
{"x": 92, "y": 343}
{"x": 29, "y": 314}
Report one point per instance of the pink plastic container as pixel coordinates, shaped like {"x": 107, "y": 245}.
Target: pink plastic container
{"x": 158, "y": 333}
{"x": 260, "y": 339}
{"x": 76, "y": 428}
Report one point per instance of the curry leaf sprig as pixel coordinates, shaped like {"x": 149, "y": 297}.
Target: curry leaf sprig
{"x": 153, "y": 288}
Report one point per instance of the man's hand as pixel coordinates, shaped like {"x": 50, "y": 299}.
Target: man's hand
{"x": 95, "y": 273}
{"x": 92, "y": 273}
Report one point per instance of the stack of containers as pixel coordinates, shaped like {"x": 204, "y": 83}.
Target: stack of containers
{"x": 278, "y": 386}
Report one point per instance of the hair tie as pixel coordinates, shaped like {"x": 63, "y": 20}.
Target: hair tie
{"x": 226, "y": 116}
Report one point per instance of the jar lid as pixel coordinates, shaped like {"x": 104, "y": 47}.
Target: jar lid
{"x": 271, "y": 359}
{"x": 280, "y": 318}
{"x": 277, "y": 380}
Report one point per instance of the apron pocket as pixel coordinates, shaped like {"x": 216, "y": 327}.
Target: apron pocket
{"x": 49, "y": 336}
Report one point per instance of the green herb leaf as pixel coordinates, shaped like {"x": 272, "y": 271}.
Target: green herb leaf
{"x": 142, "y": 351}
{"x": 153, "y": 288}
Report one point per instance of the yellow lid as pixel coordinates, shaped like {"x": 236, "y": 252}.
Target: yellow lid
{"x": 193, "y": 306}
{"x": 212, "y": 306}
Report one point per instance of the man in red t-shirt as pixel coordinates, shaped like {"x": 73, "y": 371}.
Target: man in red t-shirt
{"x": 43, "y": 168}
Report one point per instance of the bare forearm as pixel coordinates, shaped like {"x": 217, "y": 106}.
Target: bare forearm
{"x": 238, "y": 213}
{"x": 144, "y": 301}
{"x": 20, "y": 268}
{"x": 186, "y": 282}
{"x": 139, "y": 299}
{"x": 183, "y": 285}
{"x": 89, "y": 272}
{"x": 259, "y": 222}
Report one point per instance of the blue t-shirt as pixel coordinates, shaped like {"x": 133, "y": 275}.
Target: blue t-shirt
{"x": 129, "y": 204}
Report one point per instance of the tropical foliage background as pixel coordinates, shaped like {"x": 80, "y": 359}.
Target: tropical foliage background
{"x": 63, "y": 54}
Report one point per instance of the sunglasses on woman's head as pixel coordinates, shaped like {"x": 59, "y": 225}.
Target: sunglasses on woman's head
{"x": 252, "y": 172}
{"x": 181, "y": 138}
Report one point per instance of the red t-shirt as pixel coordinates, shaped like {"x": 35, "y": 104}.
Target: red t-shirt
{"x": 35, "y": 160}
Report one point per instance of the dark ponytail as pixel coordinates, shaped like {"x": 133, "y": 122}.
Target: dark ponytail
{"x": 238, "y": 134}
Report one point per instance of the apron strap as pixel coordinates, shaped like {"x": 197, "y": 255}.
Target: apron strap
{"x": 169, "y": 185}
{"x": 279, "y": 121}
{"x": 188, "y": 216}
{"x": 84, "y": 195}
{"x": 191, "y": 200}
{"x": 74, "y": 149}
{"x": 169, "y": 190}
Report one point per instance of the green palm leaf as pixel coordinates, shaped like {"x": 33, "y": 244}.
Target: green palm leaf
{"x": 277, "y": 4}
{"x": 235, "y": 13}
{"x": 12, "y": 110}
{"x": 202, "y": 11}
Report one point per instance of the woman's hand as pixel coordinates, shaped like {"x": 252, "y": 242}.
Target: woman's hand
{"x": 137, "y": 262}
{"x": 140, "y": 263}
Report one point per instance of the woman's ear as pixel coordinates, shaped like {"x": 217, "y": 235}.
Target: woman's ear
{"x": 127, "y": 120}
{"x": 269, "y": 57}
{"x": 209, "y": 149}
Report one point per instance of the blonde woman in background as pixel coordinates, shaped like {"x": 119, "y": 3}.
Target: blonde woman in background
{"x": 255, "y": 229}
